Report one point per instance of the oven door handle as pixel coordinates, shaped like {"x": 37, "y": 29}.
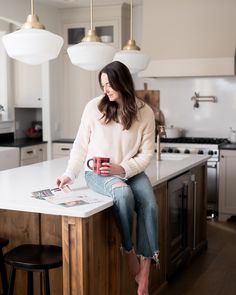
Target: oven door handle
{"x": 211, "y": 164}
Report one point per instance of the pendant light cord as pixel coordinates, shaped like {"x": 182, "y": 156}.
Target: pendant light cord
{"x": 131, "y": 20}
{"x": 32, "y": 7}
{"x": 91, "y": 14}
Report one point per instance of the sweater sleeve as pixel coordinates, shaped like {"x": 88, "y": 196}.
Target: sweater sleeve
{"x": 80, "y": 147}
{"x": 141, "y": 160}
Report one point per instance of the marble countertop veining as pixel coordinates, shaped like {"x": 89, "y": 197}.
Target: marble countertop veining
{"x": 18, "y": 183}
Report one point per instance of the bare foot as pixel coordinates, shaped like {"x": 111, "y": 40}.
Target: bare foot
{"x": 142, "y": 277}
{"x": 132, "y": 263}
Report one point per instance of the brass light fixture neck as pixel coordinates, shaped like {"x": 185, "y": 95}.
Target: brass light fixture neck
{"x": 91, "y": 37}
{"x": 131, "y": 45}
{"x": 32, "y": 22}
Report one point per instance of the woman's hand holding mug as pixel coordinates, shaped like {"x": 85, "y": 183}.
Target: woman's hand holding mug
{"x": 103, "y": 167}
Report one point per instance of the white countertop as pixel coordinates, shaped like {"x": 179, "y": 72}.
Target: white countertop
{"x": 18, "y": 183}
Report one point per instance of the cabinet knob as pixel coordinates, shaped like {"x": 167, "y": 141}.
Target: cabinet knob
{"x": 222, "y": 156}
{"x": 39, "y": 98}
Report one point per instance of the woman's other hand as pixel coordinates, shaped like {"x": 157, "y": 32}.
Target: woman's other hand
{"x": 62, "y": 180}
{"x": 108, "y": 169}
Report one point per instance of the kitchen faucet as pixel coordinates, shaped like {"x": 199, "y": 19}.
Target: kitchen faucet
{"x": 161, "y": 132}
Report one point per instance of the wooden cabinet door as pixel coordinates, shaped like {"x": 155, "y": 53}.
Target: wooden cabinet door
{"x": 199, "y": 178}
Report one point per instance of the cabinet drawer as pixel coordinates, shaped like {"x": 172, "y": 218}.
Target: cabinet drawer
{"x": 61, "y": 149}
{"x": 29, "y": 152}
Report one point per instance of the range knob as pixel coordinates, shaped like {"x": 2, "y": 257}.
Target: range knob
{"x": 163, "y": 150}
{"x": 176, "y": 151}
{"x": 200, "y": 152}
{"x": 170, "y": 150}
{"x": 186, "y": 151}
{"x": 210, "y": 152}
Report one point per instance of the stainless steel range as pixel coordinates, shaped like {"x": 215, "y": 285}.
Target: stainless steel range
{"x": 202, "y": 146}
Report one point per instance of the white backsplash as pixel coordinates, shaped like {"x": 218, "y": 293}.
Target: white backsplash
{"x": 210, "y": 119}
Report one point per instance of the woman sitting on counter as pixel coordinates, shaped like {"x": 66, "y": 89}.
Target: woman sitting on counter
{"x": 120, "y": 127}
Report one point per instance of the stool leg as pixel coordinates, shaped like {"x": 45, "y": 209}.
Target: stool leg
{"x": 3, "y": 274}
{"x": 46, "y": 282}
{"x": 12, "y": 281}
{"x": 30, "y": 283}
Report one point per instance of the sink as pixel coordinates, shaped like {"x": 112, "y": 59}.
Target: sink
{"x": 174, "y": 157}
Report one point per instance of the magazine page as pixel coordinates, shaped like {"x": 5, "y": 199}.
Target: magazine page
{"x": 66, "y": 197}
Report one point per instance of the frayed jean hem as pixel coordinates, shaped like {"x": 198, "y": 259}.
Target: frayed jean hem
{"x": 154, "y": 259}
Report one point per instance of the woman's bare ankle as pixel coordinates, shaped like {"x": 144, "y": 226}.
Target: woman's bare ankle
{"x": 142, "y": 278}
{"x": 132, "y": 263}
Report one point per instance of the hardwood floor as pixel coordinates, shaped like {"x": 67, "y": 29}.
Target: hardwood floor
{"x": 214, "y": 271}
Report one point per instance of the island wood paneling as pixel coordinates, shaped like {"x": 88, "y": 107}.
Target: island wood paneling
{"x": 20, "y": 228}
{"x": 158, "y": 273}
{"x": 51, "y": 234}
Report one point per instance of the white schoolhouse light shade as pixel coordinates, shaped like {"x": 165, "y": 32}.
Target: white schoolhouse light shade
{"x": 135, "y": 60}
{"x": 32, "y": 44}
{"x": 91, "y": 56}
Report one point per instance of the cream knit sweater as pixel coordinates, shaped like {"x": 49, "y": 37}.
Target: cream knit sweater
{"x": 132, "y": 149}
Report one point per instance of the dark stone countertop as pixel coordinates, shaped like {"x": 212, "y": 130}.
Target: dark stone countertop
{"x": 22, "y": 142}
{"x": 63, "y": 140}
{"x": 228, "y": 146}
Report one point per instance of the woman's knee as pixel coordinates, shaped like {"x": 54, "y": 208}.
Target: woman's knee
{"x": 122, "y": 194}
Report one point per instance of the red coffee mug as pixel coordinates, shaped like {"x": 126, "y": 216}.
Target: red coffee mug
{"x": 97, "y": 164}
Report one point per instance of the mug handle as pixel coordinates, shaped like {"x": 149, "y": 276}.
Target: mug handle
{"x": 89, "y": 160}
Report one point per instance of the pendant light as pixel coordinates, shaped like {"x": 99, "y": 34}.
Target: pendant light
{"x": 131, "y": 55}
{"x": 91, "y": 54}
{"x": 32, "y": 44}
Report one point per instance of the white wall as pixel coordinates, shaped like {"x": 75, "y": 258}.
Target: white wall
{"x": 210, "y": 119}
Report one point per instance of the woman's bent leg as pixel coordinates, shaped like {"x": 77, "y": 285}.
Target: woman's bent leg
{"x": 147, "y": 213}
{"x": 146, "y": 231}
{"x": 123, "y": 198}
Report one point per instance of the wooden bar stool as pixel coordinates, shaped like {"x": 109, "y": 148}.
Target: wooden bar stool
{"x": 3, "y": 243}
{"x": 33, "y": 258}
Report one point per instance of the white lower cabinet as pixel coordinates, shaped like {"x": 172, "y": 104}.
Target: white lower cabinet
{"x": 227, "y": 184}
{"x": 60, "y": 150}
{"x": 33, "y": 154}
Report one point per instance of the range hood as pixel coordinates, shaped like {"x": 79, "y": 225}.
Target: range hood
{"x": 189, "y": 38}
{"x": 195, "y": 67}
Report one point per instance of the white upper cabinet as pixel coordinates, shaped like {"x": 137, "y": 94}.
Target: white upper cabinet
{"x": 28, "y": 85}
{"x": 189, "y": 38}
{"x": 112, "y": 24}
{"x": 6, "y": 104}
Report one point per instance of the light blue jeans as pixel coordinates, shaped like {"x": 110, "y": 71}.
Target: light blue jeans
{"x": 129, "y": 196}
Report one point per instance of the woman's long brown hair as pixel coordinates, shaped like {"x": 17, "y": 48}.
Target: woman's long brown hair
{"x": 120, "y": 80}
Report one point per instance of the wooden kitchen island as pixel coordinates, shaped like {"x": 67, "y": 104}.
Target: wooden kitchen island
{"x": 92, "y": 261}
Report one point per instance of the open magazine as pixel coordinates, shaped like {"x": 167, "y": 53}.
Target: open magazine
{"x": 65, "y": 196}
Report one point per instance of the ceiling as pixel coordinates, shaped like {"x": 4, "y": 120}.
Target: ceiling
{"x": 81, "y": 3}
